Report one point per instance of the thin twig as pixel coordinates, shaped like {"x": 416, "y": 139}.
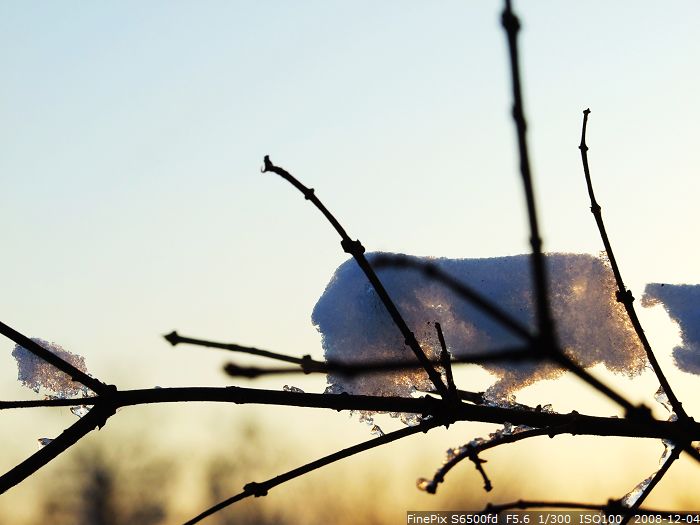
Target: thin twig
{"x": 624, "y": 295}
{"x": 95, "y": 418}
{"x": 471, "y": 452}
{"x": 510, "y": 355}
{"x": 356, "y": 249}
{"x": 174, "y": 338}
{"x": 309, "y": 365}
{"x": 539, "y": 272}
{"x": 611, "y": 507}
{"x": 261, "y": 489}
{"x": 35, "y": 403}
{"x": 445, "y": 360}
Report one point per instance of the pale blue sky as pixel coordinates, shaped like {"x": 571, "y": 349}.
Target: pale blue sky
{"x": 131, "y": 135}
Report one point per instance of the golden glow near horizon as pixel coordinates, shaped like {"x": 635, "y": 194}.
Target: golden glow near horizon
{"x": 132, "y": 205}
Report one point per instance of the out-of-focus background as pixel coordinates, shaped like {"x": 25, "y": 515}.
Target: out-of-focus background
{"x": 132, "y": 204}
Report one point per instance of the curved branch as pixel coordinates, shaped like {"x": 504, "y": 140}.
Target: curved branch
{"x": 470, "y": 451}
{"x": 356, "y": 249}
{"x": 624, "y": 295}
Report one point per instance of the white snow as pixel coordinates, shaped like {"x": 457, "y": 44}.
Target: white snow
{"x": 37, "y": 374}
{"x": 682, "y": 303}
{"x": 592, "y": 327}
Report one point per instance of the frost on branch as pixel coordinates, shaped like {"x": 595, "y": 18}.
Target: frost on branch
{"x": 37, "y": 374}
{"x": 632, "y": 496}
{"x": 592, "y": 327}
{"x": 682, "y": 303}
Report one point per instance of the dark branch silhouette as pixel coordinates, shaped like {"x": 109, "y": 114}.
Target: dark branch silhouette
{"x": 624, "y": 295}
{"x": 357, "y": 251}
{"x": 539, "y": 271}
{"x": 35, "y": 348}
{"x": 446, "y": 361}
{"x": 450, "y": 408}
{"x": 613, "y": 507}
{"x": 471, "y": 452}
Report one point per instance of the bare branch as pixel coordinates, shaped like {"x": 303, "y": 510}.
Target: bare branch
{"x": 174, "y": 338}
{"x": 95, "y": 418}
{"x": 539, "y": 272}
{"x": 445, "y": 359}
{"x": 356, "y": 249}
{"x": 511, "y": 355}
{"x": 471, "y": 450}
{"x": 34, "y": 403}
{"x": 624, "y": 295}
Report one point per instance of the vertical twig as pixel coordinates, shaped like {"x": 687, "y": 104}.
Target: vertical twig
{"x": 445, "y": 360}
{"x": 624, "y": 295}
{"x": 544, "y": 316}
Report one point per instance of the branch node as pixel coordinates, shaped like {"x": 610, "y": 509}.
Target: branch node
{"x": 641, "y": 413}
{"x": 256, "y": 489}
{"x": 510, "y": 22}
{"x": 106, "y": 406}
{"x": 267, "y": 166}
{"x": 307, "y": 365}
{"x": 354, "y": 248}
{"x": 625, "y": 297}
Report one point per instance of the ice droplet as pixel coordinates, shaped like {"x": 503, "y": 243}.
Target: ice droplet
{"x": 663, "y": 400}
{"x": 425, "y": 485}
{"x": 410, "y": 420}
{"x": 376, "y": 431}
{"x": 80, "y": 410}
{"x": 35, "y": 373}
{"x": 44, "y": 441}
{"x": 295, "y": 389}
{"x": 631, "y": 497}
